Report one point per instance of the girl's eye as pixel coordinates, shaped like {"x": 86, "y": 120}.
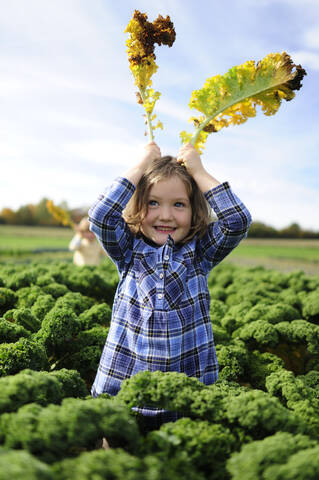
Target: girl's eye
{"x": 152, "y": 203}
{"x": 179, "y": 204}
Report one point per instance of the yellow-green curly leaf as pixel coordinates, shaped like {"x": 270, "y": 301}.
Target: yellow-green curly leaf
{"x": 232, "y": 98}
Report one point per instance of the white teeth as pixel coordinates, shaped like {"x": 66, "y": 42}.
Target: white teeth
{"x": 163, "y": 229}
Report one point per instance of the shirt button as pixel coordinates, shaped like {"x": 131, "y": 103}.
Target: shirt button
{"x": 166, "y": 257}
{"x": 160, "y": 295}
{"x": 161, "y": 275}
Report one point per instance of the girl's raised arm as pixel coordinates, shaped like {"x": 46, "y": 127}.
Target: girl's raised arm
{"x": 107, "y": 223}
{"x": 105, "y": 215}
{"x": 231, "y": 227}
{"x": 233, "y": 217}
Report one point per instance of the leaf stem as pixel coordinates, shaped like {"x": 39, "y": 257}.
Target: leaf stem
{"x": 148, "y": 116}
{"x": 208, "y": 119}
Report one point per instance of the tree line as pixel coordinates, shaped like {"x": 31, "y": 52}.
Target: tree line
{"x": 261, "y": 230}
{"x": 39, "y": 215}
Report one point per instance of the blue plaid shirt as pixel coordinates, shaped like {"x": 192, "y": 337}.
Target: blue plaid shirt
{"x": 160, "y": 318}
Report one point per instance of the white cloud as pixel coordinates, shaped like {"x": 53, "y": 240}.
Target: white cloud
{"x": 66, "y": 119}
{"x": 105, "y": 152}
{"x": 279, "y": 203}
{"x": 306, "y": 59}
{"x": 71, "y": 182}
{"x": 309, "y": 55}
{"x": 287, "y": 3}
{"x": 33, "y": 77}
{"x": 56, "y": 25}
{"x": 173, "y": 110}
{"x": 272, "y": 198}
{"x": 311, "y": 37}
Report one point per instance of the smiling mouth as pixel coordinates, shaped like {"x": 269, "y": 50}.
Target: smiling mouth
{"x": 162, "y": 228}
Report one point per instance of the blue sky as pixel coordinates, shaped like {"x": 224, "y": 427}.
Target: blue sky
{"x": 69, "y": 123}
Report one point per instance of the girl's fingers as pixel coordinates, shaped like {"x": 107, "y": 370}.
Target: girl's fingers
{"x": 185, "y": 148}
{"x": 152, "y": 145}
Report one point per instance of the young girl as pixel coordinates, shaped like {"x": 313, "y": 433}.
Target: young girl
{"x": 155, "y": 224}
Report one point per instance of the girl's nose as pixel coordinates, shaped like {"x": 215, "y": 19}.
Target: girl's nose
{"x": 165, "y": 213}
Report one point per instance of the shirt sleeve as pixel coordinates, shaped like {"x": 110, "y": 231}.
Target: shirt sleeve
{"x": 232, "y": 225}
{"x": 107, "y": 223}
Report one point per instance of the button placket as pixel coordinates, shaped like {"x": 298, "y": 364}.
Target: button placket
{"x": 160, "y": 283}
{"x": 163, "y": 263}
{"x": 166, "y": 258}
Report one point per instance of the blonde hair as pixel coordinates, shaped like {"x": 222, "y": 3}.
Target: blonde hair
{"x": 161, "y": 169}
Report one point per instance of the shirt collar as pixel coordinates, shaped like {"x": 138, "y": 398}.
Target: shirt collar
{"x": 169, "y": 242}
{"x": 184, "y": 251}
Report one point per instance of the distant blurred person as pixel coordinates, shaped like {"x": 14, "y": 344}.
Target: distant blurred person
{"x": 87, "y": 250}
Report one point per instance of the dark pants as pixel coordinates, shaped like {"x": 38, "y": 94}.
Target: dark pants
{"x": 153, "y": 418}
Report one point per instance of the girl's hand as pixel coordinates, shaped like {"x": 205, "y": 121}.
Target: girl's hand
{"x": 151, "y": 152}
{"x": 188, "y": 155}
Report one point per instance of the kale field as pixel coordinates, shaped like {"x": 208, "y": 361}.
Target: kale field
{"x": 259, "y": 421}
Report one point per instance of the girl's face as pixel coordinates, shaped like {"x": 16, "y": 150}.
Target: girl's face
{"x": 169, "y": 211}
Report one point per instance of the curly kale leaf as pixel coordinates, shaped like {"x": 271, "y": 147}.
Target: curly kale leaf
{"x": 275, "y": 458}
{"x": 20, "y": 355}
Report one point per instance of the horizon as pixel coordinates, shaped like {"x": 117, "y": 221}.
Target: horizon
{"x": 78, "y": 210}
